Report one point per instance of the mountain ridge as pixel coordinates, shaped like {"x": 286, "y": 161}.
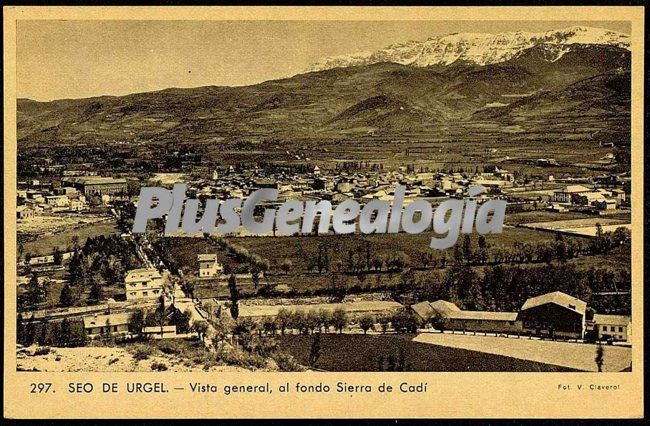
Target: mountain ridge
{"x": 385, "y": 96}
{"x": 478, "y": 48}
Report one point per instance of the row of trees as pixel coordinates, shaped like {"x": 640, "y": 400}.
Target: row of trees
{"x": 506, "y": 287}
{"x": 67, "y": 332}
{"x": 324, "y": 320}
{"x": 361, "y": 259}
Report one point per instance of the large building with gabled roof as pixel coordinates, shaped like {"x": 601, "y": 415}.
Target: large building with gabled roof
{"x": 554, "y": 314}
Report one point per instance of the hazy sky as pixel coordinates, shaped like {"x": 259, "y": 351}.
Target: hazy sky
{"x": 76, "y": 59}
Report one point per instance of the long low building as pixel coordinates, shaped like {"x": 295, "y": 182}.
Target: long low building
{"x": 495, "y": 322}
{"x": 552, "y": 315}
{"x": 448, "y": 316}
{"x": 107, "y": 324}
{"x": 96, "y": 185}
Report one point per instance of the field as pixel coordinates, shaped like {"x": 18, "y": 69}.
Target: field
{"x": 302, "y": 249}
{"x": 571, "y": 355}
{"x": 355, "y": 352}
{"x": 542, "y": 216}
{"x": 575, "y": 223}
{"x": 66, "y": 230}
{"x": 585, "y": 227}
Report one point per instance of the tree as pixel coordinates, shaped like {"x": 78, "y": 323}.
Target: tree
{"x": 65, "y": 333}
{"x": 67, "y": 297}
{"x": 337, "y": 287}
{"x": 299, "y": 321}
{"x": 482, "y": 242}
{"x": 97, "y": 288}
{"x": 312, "y": 321}
{"x": 286, "y": 265}
{"x": 384, "y": 320}
{"x": 339, "y": 319}
{"x": 325, "y": 319}
{"x": 314, "y": 350}
{"x": 34, "y": 294}
{"x": 268, "y": 325}
{"x": 366, "y": 322}
{"x": 201, "y": 328}
{"x": 181, "y": 320}
{"x": 21, "y": 327}
{"x": 600, "y": 356}
{"x": 137, "y": 321}
{"x": 234, "y": 297}
{"x": 58, "y": 256}
{"x": 404, "y": 322}
{"x": 467, "y": 248}
{"x": 283, "y": 319}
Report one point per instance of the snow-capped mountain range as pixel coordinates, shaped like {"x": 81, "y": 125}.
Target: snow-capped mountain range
{"x": 478, "y": 48}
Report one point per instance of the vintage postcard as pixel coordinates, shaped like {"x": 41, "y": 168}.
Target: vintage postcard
{"x": 262, "y": 212}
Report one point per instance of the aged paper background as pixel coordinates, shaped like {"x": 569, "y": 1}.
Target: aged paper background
{"x": 450, "y": 395}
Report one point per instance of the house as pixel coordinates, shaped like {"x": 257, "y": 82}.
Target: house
{"x": 567, "y": 194}
{"x": 209, "y": 266}
{"x": 615, "y": 327}
{"x": 553, "y": 314}
{"x": 24, "y": 212}
{"x": 107, "y": 324}
{"x": 57, "y": 200}
{"x": 143, "y": 284}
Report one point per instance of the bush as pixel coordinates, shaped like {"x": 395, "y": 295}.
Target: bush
{"x": 142, "y": 352}
{"x": 238, "y": 357}
{"x": 159, "y": 366}
{"x": 286, "y": 362}
{"x": 170, "y": 347}
{"x": 42, "y": 350}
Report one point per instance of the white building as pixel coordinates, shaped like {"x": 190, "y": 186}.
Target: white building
{"x": 107, "y": 324}
{"x": 615, "y": 327}
{"x": 209, "y": 266}
{"x": 143, "y": 284}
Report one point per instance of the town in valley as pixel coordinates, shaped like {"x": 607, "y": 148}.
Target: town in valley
{"x": 552, "y": 292}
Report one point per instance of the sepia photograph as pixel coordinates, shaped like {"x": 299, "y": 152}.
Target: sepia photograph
{"x": 324, "y": 196}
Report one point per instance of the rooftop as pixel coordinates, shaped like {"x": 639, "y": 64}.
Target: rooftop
{"x": 612, "y": 319}
{"x": 558, "y": 298}
{"x": 207, "y": 257}
{"x": 483, "y": 315}
{"x": 103, "y": 320}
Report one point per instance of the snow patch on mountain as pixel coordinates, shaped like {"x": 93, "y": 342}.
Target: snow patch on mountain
{"x": 478, "y": 48}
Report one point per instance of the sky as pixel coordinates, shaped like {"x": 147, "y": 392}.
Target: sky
{"x": 77, "y": 59}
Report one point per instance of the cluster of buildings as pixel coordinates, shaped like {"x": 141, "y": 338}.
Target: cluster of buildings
{"x": 360, "y": 185}
{"x": 70, "y": 194}
{"x": 583, "y": 198}
{"x": 553, "y": 315}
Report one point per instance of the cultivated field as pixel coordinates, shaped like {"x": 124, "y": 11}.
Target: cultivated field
{"x": 586, "y": 227}
{"x": 578, "y": 356}
{"x": 355, "y": 352}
